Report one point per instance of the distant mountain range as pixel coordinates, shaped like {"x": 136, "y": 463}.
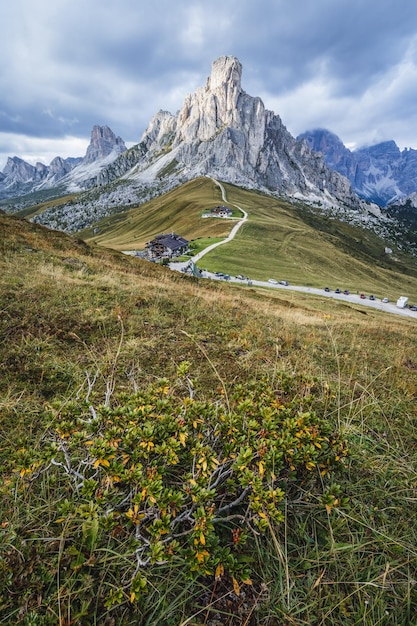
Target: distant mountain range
{"x": 381, "y": 173}
{"x": 19, "y": 178}
{"x": 223, "y": 132}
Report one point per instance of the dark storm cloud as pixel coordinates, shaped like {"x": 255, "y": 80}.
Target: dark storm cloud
{"x": 349, "y": 66}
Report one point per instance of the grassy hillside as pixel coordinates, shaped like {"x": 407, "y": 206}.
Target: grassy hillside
{"x": 310, "y": 249}
{"x": 279, "y": 240}
{"x": 179, "y": 211}
{"x": 174, "y": 451}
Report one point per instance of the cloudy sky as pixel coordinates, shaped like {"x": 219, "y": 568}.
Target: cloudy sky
{"x": 346, "y": 65}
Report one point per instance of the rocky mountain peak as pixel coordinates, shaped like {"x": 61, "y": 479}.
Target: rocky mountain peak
{"x": 380, "y": 173}
{"x": 336, "y": 155}
{"x": 19, "y": 170}
{"x": 221, "y": 131}
{"x": 19, "y": 177}
{"x": 224, "y": 132}
{"x": 225, "y": 79}
{"x": 102, "y": 143}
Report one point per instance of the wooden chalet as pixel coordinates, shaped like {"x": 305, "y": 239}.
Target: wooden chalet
{"x": 166, "y": 246}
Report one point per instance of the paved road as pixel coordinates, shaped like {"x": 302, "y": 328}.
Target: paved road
{"x": 387, "y": 307}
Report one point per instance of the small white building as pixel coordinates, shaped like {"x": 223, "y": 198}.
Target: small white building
{"x": 402, "y": 302}
{"x": 221, "y": 211}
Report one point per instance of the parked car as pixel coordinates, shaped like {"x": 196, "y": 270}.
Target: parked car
{"x": 284, "y": 282}
{"x": 372, "y": 297}
{"x": 273, "y": 281}
{"x": 327, "y": 289}
{"x": 385, "y": 300}
{"x": 363, "y": 296}
{"x": 413, "y": 308}
{"x": 337, "y": 290}
{"x": 346, "y": 292}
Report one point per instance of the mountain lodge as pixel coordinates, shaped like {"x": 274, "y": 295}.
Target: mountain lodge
{"x": 166, "y": 246}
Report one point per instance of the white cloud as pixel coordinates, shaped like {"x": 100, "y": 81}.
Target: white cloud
{"x": 348, "y": 66}
{"x": 34, "y": 149}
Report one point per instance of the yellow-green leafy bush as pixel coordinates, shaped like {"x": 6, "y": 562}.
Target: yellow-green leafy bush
{"x": 163, "y": 477}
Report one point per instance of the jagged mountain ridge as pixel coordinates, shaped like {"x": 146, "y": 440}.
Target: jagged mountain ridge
{"x": 222, "y": 131}
{"x": 381, "y": 173}
{"x": 19, "y": 177}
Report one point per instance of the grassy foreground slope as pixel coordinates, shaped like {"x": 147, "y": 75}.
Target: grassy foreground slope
{"x": 134, "y": 402}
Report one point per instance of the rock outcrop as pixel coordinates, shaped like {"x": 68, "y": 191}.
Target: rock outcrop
{"x": 381, "y": 173}
{"x": 103, "y": 142}
{"x": 224, "y": 132}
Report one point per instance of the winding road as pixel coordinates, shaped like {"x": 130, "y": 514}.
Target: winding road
{"x": 233, "y": 232}
{"x": 387, "y": 307}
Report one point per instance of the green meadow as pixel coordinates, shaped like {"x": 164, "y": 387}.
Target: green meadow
{"x": 279, "y": 240}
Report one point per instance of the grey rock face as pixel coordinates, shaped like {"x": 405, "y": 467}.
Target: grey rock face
{"x": 381, "y": 173}
{"x": 224, "y": 132}
{"x": 19, "y": 177}
{"x": 103, "y": 142}
{"x": 19, "y": 171}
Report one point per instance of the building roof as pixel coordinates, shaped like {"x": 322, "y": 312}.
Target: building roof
{"x": 221, "y": 209}
{"x": 171, "y": 241}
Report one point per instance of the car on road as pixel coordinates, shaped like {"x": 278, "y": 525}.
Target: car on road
{"x": 385, "y": 300}
{"x": 337, "y": 290}
{"x": 284, "y": 282}
{"x": 413, "y": 308}
{"x": 327, "y": 289}
{"x": 273, "y": 281}
{"x": 362, "y": 296}
{"x": 372, "y": 297}
{"x": 346, "y": 292}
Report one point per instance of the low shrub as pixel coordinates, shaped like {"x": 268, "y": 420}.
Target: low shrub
{"x": 161, "y": 479}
